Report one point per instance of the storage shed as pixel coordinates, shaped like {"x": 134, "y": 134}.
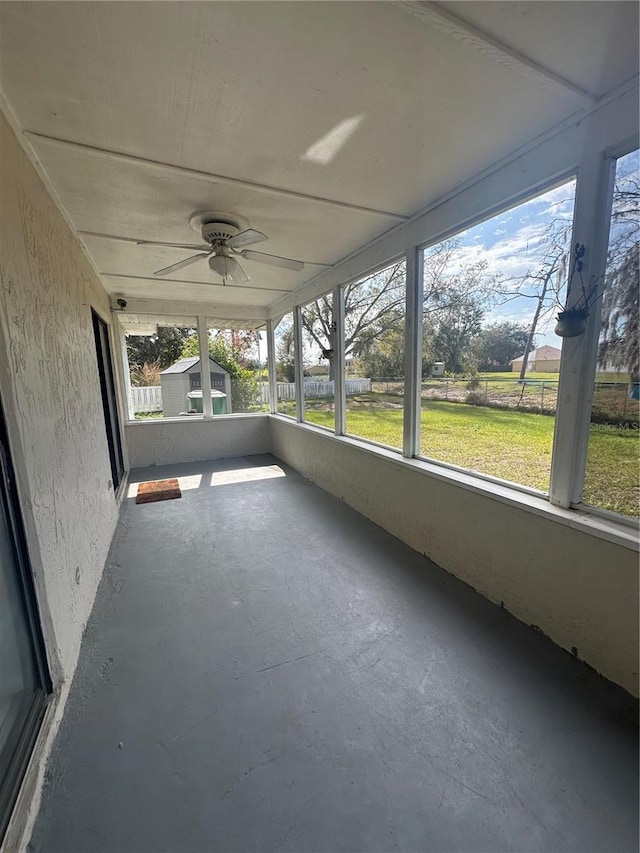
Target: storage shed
{"x": 184, "y": 376}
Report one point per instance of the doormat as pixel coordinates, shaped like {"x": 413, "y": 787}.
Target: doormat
{"x": 158, "y": 490}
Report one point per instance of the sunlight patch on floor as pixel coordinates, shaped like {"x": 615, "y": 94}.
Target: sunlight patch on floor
{"x": 245, "y": 475}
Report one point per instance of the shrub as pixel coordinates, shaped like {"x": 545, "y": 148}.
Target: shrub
{"x": 145, "y": 375}
{"x": 475, "y": 398}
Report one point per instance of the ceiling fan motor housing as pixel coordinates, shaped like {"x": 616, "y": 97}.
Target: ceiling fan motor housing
{"x": 215, "y": 232}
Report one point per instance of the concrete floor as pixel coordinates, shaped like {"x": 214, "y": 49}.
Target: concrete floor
{"x": 265, "y": 670}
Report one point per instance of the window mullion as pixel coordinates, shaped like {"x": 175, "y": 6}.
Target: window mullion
{"x": 271, "y": 366}
{"x": 205, "y": 370}
{"x": 299, "y": 363}
{"x": 413, "y": 353}
{"x": 339, "y": 385}
{"x": 579, "y": 355}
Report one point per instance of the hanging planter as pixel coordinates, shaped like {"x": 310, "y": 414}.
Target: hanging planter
{"x": 572, "y": 323}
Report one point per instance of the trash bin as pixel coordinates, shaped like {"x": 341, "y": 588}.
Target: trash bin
{"x": 218, "y": 401}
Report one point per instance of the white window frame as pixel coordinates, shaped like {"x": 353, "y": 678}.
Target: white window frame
{"x": 522, "y": 198}
{"x": 330, "y": 429}
{"x": 341, "y": 335}
{"x": 601, "y": 183}
{"x": 124, "y": 370}
{"x": 272, "y": 325}
{"x": 547, "y": 162}
{"x": 594, "y": 187}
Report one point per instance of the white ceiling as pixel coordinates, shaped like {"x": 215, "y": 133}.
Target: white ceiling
{"x": 231, "y": 102}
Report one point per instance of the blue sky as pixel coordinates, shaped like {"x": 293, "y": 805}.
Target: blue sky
{"x": 513, "y": 244}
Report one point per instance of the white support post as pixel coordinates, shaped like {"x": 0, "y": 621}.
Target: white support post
{"x": 579, "y": 355}
{"x": 205, "y": 369}
{"x": 339, "y": 383}
{"x": 122, "y": 368}
{"x": 271, "y": 366}
{"x": 413, "y": 353}
{"x": 299, "y": 362}
{"x": 122, "y": 381}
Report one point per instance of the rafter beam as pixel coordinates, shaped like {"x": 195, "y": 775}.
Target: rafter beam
{"x": 256, "y": 317}
{"x": 244, "y": 287}
{"x": 433, "y": 15}
{"x": 57, "y": 142}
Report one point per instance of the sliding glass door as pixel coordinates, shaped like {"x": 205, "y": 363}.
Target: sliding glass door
{"x": 23, "y": 679}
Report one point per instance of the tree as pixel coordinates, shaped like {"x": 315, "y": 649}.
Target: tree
{"x": 454, "y": 329}
{"x": 544, "y": 280}
{"x": 374, "y": 311}
{"x": 455, "y": 297}
{"x": 374, "y": 314}
{"x": 384, "y": 358}
{"x": 374, "y": 306}
{"x": 619, "y": 346}
{"x": 164, "y": 347}
{"x": 242, "y": 343}
{"x": 145, "y": 375}
{"x": 317, "y": 322}
{"x": 496, "y": 346}
{"x": 285, "y": 361}
{"x": 619, "y": 337}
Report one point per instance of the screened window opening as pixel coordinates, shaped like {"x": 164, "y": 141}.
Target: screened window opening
{"x": 238, "y": 360}
{"x": 163, "y": 366}
{"x": 374, "y": 320}
{"x": 613, "y": 456}
{"x": 285, "y": 366}
{"x": 490, "y": 359}
{"x": 319, "y": 358}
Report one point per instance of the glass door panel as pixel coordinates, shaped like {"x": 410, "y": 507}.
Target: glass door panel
{"x": 23, "y": 679}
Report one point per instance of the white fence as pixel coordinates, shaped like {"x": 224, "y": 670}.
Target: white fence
{"x": 146, "y": 399}
{"x": 287, "y": 390}
{"x": 149, "y": 398}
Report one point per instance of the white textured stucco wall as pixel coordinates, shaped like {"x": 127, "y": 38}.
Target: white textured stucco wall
{"x": 158, "y": 442}
{"x": 579, "y": 589}
{"x": 50, "y": 389}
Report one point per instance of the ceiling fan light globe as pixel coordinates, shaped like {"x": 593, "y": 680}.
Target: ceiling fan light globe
{"x": 221, "y": 264}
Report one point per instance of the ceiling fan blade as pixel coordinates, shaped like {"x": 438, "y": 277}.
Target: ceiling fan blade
{"x": 200, "y": 247}
{"x": 182, "y": 264}
{"x": 274, "y": 260}
{"x": 247, "y": 238}
{"x": 237, "y": 274}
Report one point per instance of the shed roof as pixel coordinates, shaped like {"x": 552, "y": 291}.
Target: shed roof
{"x": 185, "y": 364}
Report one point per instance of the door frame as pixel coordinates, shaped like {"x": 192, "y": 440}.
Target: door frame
{"x": 109, "y": 395}
{"x": 23, "y": 749}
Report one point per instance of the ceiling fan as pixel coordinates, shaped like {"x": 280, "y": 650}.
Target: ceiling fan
{"x": 222, "y": 241}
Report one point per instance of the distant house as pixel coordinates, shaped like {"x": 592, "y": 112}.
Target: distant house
{"x": 184, "y": 376}
{"x": 318, "y": 370}
{"x": 546, "y": 359}
{"x": 351, "y": 366}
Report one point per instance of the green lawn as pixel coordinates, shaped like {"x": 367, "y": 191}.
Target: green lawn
{"x": 611, "y": 481}
{"x": 510, "y": 374}
{"x": 512, "y": 445}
